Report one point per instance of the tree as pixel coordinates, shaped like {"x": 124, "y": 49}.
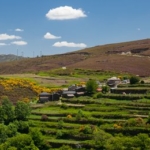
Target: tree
{"x": 7, "y": 110}
{"x": 134, "y": 79}
{"x": 20, "y": 142}
{"x": 37, "y": 138}
{"x": 3, "y": 133}
{"x": 142, "y": 141}
{"x": 100, "y": 138}
{"x": 105, "y": 89}
{"x": 91, "y": 86}
{"x": 22, "y": 110}
{"x": 22, "y": 126}
{"x": 11, "y": 130}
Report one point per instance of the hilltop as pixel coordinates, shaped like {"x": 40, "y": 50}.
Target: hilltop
{"x": 129, "y": 57}
{"x": 9, "y": 57}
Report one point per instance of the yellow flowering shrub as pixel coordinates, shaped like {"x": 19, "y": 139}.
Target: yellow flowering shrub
{"x": 17, "y": 88}
{"x": 69, "y": 116}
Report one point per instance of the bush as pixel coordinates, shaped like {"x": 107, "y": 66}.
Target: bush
{"x": 44, "y": 117}
{"x": 99, "y": 95}
{"x": 91, "y": 86}
{"x": 65, "y": 147}
{"x": 59, "y": 134}
{"x": 60, "y": 124}
{"x": 87, "y": 130}
{"x": 134, "y": 79}
{"x": 105, "y": 89}
{"x": 142, "y": 82}
{"x": 79, "y": 115}
{"x": 64, "y": 106}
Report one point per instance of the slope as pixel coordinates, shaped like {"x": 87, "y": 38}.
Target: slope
{"x": 132, "y": 57}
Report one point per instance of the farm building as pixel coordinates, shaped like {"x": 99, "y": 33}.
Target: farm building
{"x": 68, "y": 94}
{"x": 113, "y": 82}
{"x": 54, "y": 96}
{"x": 44, "y": 97}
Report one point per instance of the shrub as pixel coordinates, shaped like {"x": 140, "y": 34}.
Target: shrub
{"x": 91, "y": 86}
{"x": 60, "y": 124}
{"x": 79, "y": 115}
{"x": 59, "y": 134}
{"x": 99, "y": 95}
{"x": 69, "y": 116}
{"x": 64, "y": 106}
{"x": 87, "y": 130}
{"x": 142, "y": 82}
{"x": 134, "y": 79}
{"x": 105, "y": 89}
{"x": 44, "y": 117}
{"x": 65, "y": 147}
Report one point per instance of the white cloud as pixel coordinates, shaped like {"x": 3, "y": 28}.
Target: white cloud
{"x": 19, "y": 30}
{"x": 50, "y": 36}
{"x": 8, "y": 37}
{"x": 20, "y": 43}
{"x": 64, "y": 13}
{"x": 66, "y": 44}
{"x": 2, "y": 44}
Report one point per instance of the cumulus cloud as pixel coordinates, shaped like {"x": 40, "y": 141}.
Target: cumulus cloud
{"x": 67, "y": 44}
{"x": 64, "y": 13}
{"x": 2, "y": 44}
{"x": 8, "y": 37}
{"x": 50, "y": 36}
{"x": 20, "y": 43}
{"x": 19, "y": 30}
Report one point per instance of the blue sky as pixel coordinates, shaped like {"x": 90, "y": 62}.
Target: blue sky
{"x": 32, "y": 28}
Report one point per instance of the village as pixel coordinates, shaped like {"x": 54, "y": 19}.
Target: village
{"x": 80, "y": 90}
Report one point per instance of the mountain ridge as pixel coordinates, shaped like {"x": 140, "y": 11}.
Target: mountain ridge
{"x": 130, "y": 57}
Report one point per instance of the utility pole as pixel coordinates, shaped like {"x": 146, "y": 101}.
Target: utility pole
{"x": 17, "y": 53}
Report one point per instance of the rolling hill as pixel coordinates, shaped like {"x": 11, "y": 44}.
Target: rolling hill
{"x": 9, "y": 57}
{"x": 130, "y": 57}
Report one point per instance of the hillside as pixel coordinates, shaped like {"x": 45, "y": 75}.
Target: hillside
{"x": 9, "y": 57}
{"x": 132, "y": 57}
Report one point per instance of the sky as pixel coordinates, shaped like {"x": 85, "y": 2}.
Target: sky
{"x": 32, "y": 28}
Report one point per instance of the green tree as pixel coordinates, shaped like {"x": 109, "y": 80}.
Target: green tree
{"x": 11, "y": 130}
{"x": 22, "y": 110}
{"x": 105, "y": 89}
{"x": 91, "y": 86}
{"x": 100, "y": 138}
{"x": 38, "y": 139}
{"x": 22, "y": 126}
{"x": 7, "y": 110}
{"x": 3, "y": 133}
{"x": 20, "y": 142}
{"x": 134, "y": 79}
{"x": 142, "y": 141}
{"x": 1, "y": 115}
{"x": 79, "y": 115}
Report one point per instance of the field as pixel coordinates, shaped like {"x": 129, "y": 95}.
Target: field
{"x": 77, "y": 125}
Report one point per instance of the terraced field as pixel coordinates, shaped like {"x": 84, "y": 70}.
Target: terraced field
{"x": 86, "y": 122}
